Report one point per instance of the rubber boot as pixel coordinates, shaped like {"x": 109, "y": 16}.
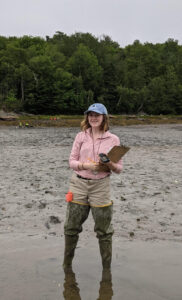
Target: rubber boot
{"x": 103, "y": 227}
{"x": 70, "y": 245}
{"x": 106, "y": 253}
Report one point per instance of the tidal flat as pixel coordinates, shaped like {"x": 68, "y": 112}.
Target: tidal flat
{"x": 147, "y": 251}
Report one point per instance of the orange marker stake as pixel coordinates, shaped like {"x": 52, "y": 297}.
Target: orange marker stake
{"x": 69, "y": 197}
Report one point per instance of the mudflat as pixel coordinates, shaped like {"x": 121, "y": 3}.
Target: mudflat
{"x": 147, "y": 216}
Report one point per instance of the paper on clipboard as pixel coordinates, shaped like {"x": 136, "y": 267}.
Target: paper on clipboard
{"x": 115, "y": 154}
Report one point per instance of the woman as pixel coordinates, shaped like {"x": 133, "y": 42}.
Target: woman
{"x": 90, "y": 184}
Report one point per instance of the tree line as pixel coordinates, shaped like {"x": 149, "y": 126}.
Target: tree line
{"x": 65, "y": 74}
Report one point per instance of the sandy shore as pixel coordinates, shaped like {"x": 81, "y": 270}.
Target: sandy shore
{"x": 147, "y": 195}
{"x": 147, "y": 203}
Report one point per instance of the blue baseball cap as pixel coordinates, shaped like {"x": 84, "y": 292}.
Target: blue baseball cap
{"x": 98, "y": 108}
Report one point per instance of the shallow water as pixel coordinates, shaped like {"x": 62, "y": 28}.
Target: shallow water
{"x": 31, "y": 269}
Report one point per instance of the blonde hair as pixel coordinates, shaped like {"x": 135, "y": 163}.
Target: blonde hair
{"x": 103, "y": 127}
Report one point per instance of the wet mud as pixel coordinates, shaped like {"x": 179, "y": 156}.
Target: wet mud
{"x": 147, "y": 217}
{"x": 147, "y": 194}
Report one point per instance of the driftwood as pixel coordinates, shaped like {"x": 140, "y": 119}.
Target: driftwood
{"x": 9, "y": 118}
{"x": 5, "y": 116}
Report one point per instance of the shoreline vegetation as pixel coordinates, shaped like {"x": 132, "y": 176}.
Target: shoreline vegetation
{"x": 74, "y": 120}
{"x": 65, "y": 74}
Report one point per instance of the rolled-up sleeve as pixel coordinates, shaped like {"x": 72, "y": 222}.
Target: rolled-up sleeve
{"x": 75, "y": 153}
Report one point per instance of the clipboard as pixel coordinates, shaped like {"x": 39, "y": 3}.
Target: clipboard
{"x": 115, "y": 154}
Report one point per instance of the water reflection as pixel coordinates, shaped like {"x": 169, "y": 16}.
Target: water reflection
{"x": 106, "y": 291}
{"x": 72, "y": 291}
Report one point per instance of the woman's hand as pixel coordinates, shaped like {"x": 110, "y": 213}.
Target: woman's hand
{"x": 112, "y": 166}
{"x": 91, "y": 166}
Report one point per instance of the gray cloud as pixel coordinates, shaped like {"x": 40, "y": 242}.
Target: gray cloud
{"x": 123, "y": 20}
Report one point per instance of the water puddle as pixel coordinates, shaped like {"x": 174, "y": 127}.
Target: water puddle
{"x": 31, "y": 269}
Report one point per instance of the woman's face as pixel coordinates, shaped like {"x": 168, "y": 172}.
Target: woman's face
{"x": 95, "y": 119}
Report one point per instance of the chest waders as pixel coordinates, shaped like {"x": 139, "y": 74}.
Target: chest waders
{"x": 75, "y": 217}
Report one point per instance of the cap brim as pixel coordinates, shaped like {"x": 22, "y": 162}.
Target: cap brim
{"x": 94, "y": 110}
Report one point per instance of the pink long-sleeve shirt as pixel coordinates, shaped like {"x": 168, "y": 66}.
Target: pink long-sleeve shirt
{"x": 84, "y": 150}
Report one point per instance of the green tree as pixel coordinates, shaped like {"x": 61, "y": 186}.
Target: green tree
{"x": 83, "y": 63}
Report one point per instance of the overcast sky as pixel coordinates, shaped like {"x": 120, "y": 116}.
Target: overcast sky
{"x": 123, "y": 20}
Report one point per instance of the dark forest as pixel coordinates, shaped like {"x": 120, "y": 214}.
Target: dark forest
{"x": 65, "y": 74}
